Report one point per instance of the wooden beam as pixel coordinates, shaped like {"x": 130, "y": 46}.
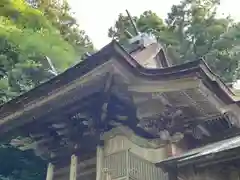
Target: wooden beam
{"x": 164, "y": 86}
{"x": 106, "y": 96}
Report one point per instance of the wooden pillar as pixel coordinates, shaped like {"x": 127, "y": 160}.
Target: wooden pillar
{"x": 50, "y": 171}
{"x": 73, "y": 168}
{"x": 100, "y": 159}
{"x": 169, "y": 150}
{"x": 127, "y": 164}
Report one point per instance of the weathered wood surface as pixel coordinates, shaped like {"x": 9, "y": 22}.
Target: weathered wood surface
{"x": 166, "y": 108}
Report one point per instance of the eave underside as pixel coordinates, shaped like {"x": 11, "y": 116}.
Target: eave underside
{"x": 75, "y": 125}
{"x": 114, "y": 50}
{"x": 113, "y": 89}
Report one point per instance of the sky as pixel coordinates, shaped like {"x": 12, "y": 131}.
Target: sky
{"x": 97, "y": 16}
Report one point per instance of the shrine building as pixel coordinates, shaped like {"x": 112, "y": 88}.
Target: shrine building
{"x": 128, "y": 113}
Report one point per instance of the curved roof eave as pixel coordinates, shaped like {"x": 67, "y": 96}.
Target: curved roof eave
{"x": 114, "y": 49}
{"x": 197, "y": 67}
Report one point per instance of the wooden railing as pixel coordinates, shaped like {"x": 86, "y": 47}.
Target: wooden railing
{"x": 126, "y": 165}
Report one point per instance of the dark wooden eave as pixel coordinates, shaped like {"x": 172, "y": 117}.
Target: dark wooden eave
{"x": 113, "y": 49}
{"x": 222, "y": 151}
{"x": 52, "y": 123}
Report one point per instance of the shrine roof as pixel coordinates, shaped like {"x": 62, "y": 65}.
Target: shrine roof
{"x": 206, "y": 154}
{"x": 49, "y": 112}
{"x": 114, "y": 49}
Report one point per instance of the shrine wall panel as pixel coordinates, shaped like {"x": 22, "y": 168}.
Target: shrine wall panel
{"x": 120, "y": 143}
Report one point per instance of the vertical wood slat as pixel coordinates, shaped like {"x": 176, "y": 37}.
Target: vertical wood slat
{"x": 73, "y": 168}
{"x": 100, "y": 158}
{"x": 129, "y": 166}
{"x": 116, "y": 164}
{"x": 50, "y": 171}
{"x": 141, "y": 169}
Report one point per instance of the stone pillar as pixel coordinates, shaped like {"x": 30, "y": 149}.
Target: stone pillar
{"x": 50, "y": 171}
{"x": 100, "y": 159}
{"x": 73, "y": 168}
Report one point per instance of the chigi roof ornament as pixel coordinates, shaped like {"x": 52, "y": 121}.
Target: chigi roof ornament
{"x": 142, "y": 39}
{"x": 145, "y": 48}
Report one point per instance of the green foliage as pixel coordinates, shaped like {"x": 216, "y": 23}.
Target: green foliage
{"x": 27, "y": 36}
{"x": 147, "y": 22}
{"x": 58, "y": 12}
{"x": 31, "y": 43}
{"x": 192, "y": 31}
{"x": 16, "y": 165}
